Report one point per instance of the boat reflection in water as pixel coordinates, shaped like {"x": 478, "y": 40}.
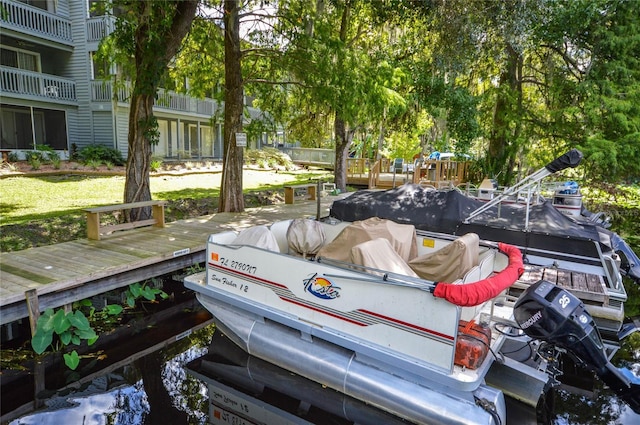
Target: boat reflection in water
{"x": 247, "y": 390}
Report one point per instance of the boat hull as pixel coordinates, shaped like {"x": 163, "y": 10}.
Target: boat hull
{"x": 343, "y": 370}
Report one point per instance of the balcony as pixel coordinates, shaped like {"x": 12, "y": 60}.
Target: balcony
{"x": 18, "y": 82}
{"x": 99, "y": 27}
{"x": 165, "y": 99}
{"x": 36, "y": 22}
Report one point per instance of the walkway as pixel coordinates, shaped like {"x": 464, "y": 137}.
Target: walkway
{"x": 67, "y": 272}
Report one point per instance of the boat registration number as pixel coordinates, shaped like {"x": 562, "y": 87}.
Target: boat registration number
{"x": 238, "y": 265}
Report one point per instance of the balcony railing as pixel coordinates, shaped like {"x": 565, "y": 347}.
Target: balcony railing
{"x": 165, "y": 99}
{"x": 19, "y": 16}
{"x": 99, "y": 27}
{"x": 50, "y": 87}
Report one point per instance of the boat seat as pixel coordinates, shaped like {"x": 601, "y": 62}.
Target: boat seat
{"x": 449, "y": 263}
{"x": 305, "y": 237}
{"x": 379, "y": 254}
{"x": 401, "y": 236}
{"x": 279, "y": 230}
{"x": 258, "y": 236}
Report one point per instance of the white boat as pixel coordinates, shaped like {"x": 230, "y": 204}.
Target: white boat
{"x": 409, "y": 322}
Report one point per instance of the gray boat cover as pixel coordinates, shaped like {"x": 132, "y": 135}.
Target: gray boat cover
{"x": 258, "y": 236}
{"x": 401, "y": 236}
{"x": 379, "y": 254}
{"x": 305, "y": 237}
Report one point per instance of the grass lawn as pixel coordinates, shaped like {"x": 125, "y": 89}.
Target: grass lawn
{"x": 41, "y": 210}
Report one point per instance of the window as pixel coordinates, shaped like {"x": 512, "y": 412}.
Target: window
{"x": 21, "y": 59}
{"x": 16, "y": 128}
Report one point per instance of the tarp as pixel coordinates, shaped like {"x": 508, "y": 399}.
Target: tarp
{"x": 259, "y": 236}
{"x": 476, "y": 293}
{"x": 379, "y": 254}
{"x": 449, "y": 263}
{"x": 445, "y": 212}
{"x": 305, "y": 237}
{"x": 401, "y": 236}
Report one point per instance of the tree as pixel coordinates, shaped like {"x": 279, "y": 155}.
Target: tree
{"x": 151, "y": 32}
{"x": 231, "y": 199}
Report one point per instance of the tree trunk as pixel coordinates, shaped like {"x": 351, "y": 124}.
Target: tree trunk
{"x": 343, "y": 138}
{"x": 159, "y": 31}
{"x": 136, "y": 186}
{"x": 231, "y": 199}
{"x": 503, "y": 143}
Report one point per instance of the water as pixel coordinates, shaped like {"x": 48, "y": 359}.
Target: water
{"x": 171, "y": 367}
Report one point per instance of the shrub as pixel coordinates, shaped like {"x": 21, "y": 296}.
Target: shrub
{"x": 35, "y": 163}
{"x": 155, "y": 165}
{"x": 101, "y": 154}
{"x": 13, "y": 157}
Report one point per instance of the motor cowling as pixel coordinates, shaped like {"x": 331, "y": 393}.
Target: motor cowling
{"x": 549, "y": 313}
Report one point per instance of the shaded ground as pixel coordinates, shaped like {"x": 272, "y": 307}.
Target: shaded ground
{"x": 73, "y": 225}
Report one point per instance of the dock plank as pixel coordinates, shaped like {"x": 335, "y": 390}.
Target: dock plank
{"x": 84, "y": 267}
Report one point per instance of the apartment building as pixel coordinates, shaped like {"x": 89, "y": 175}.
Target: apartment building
{"x": 53, "y": 93}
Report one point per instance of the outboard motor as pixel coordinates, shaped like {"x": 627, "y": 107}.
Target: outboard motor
{"x": 552, "y": 314}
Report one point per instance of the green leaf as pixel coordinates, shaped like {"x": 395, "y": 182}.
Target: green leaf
{"x": 79, "y": 320}
{"x": 75, "y": 339}
{"x": 60, "y": 322}
{"x": 148, "y": 294}
{"x": 86, "y": 333}
{"x": 113, "y": 309}
{"x": 45, "y": 321}
{"x": 131, "y": 302}
{"x": 41, "y": 340}
{"x": 66, "y": 337}
{"x": 72, "y": 360}
{"x": 92, "y": 341}
{"x": 136, "y": 289}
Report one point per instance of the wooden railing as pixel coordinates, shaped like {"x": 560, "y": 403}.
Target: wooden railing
{"x": 22, "y": 17}
{"x": 441, "y": 173}
{"x": 51, "y": 87}
{"x": 101, "y": 91}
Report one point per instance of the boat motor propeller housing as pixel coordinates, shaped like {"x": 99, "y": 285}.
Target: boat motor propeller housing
{"x": 549, "y": 313}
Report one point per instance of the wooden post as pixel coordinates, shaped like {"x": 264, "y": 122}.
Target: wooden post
{"x": 33, "y": 307}
{"x": 311, "y": 192}
{"x": 93, "y": 226}
{"x": 289, "y": 194}
{"x": 158, "y": 214}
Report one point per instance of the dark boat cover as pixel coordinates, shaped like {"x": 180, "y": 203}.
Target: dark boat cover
{"x": 446, "y": 212}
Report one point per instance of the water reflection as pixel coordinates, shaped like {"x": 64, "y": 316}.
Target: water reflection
{"x": 188, "y": 381}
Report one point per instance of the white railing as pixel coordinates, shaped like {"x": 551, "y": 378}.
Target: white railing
{"x": 99, "y": 27}
{"x": 165, "y": 99}
{"x": 20, "y": 16}
{"x": 51, "y": 87}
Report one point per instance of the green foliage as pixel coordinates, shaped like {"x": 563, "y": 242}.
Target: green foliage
{"x": 268, "y": 158}
{"x": 100, "y": 154}
{"x": 156, "y": 164}
{"x": 67, "y": 328}
{"x": 142, "y": 290}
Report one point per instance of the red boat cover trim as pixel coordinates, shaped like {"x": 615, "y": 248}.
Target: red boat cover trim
{"x": 476, "y": 293}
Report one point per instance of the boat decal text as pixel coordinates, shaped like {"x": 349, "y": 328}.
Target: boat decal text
{"x": 360, "y": 317}
{"x": 321, "y": 287}
{"x": 233, "y": 264}
{"x": 532, "y": 320}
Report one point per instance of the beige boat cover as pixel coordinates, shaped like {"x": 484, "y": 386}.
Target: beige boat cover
{"x": 378, "y": 253}
{"x": 258, "y": 236}
{"x": 305, "y": 237}
{"x": 401, "y": 236}
{"x": 449, "y": 263}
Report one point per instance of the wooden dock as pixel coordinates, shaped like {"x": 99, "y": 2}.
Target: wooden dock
{"x": 60, "y": 274}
